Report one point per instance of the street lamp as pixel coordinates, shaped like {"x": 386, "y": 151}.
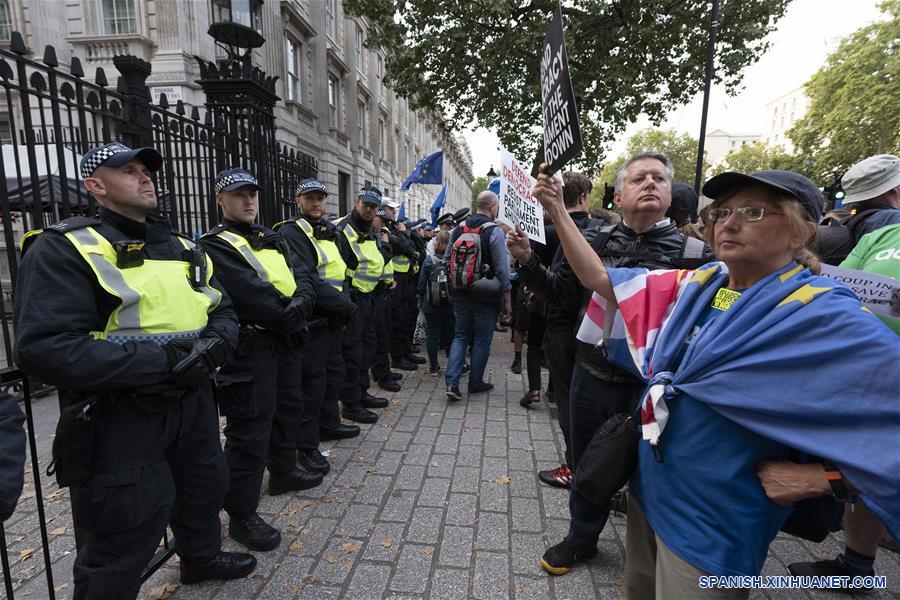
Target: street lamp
{"x": 236, "y": 26}
{"x": 491, "y": 174}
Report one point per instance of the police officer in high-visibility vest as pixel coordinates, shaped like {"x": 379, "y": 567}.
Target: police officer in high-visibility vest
{"x": 259, "y": 389}
{"x": 365, "y": 264}
{"x": 383, "y": 295}
{"x": 403, "y": 303}
{"x": 315, "y": 243}
{"x": 126, "y": 319}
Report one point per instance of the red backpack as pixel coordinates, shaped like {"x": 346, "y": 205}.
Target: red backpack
{"x": 467, "y": 256}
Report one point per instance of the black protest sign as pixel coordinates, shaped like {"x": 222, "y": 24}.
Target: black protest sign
{"x": 562, "y": 135}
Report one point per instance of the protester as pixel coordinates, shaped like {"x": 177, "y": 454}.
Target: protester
{"x": 258, "y": 391}
{"x": 533, "y": 308}
{"x": 103, "y": 310}
{"x": 683, "y": 208}
{"x": 475, "y": 310}
{"x": 438, "y": 319}
{"x": 722, "y": 411}
{"x": 12, "y": 455}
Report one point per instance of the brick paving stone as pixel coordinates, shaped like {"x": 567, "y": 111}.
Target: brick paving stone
{"x": 414, "y": 561}
{"x": 447, "y": 444}
{"x": 449, "y": 584}
{"x": 495, "y": 446}
{"x": 287, "y": 580}
{"x": 451, "y": 427}
{"x": 493, "y": 531}
{"x": 425, "y": 435}
{"x": 531, "y": 588}
{"x": 526, "y": 515}
{"x": 398, "y": 440}
{"x": 418, "y": 454}
{"x": 469, "y": 456}
{"x": 465, "y": 479}
{"x": 357, "y": 521}
{"x": 434, "y": 492}
{"x": 493, "y": 496}
{"x": 456, "y": 546}
{"x": 523, "y": 484}
{"x": 493, "y": 468}
{"x": 441, "y": 465}
{"x": 384, "y": 542}
{"x": 388, "y": 462}
{"x": 409, "y": 478}
{"x": 399, "y": 506}
{"x": 368, "y": 582}
{"x": 425, "y": 525}
{"x": 461, "y": 509}
{"x": 491, "y": 579}
{"x": 373, "y": 489}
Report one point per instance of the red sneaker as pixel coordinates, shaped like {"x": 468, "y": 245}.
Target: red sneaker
{"x": 560, "y": 477}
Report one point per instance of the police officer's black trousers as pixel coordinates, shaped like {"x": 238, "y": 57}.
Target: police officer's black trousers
{"x": 560, "y": 346}
{"x": 330, "y": 415}
{"x": 321, "y": 347}
{"x": 359, "y": 344}
{"x": 403, "y": 315}
{"x": 288, "y": 410}
{"x": 150, "y": 468}
{"x": 381, "y": 364}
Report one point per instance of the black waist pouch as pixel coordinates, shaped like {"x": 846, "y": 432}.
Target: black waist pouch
{"x": 74, "y": 443}
{"x": 609, "y": 460}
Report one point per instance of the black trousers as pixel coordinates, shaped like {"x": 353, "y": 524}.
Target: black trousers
{"x": 330, "y": 414}
{"x": 150, "y": 468}
{"x": 359, "y": 343}
{"x": 403, "y": 315}
{"x": 382, "y": 313}
{"x": 320, "y": 349}
{"x": 259, "y": 395}
{"x": 560, "y": 348}
{"x": 537, "y": 326}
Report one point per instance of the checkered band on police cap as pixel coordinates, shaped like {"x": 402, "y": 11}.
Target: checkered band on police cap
{"x": 234, "y": 179}
{"x": 311, "y": 185}
{"x": 97, "y": 157}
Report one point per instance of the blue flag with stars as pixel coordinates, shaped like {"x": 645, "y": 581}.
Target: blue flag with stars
{"x": 428, "y": 170}
{"x": 438, "y": 205}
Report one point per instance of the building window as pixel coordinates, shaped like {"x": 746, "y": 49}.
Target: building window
{"x": 360, "y": 50}
{"x": 5, "y": 130}
{"x": 5, "y": 21}
{"x": 117, "y": 17}
{"x": 379, "y": 73}
{"x": 361, "y": 110}
{"x": 333, "y": 102}
{"x": 292, "y": 58}
{"x": 330, "y": 21}
{"x": 382, "y": 142}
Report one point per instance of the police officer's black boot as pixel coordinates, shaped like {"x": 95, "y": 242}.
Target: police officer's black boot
{"x": 254, "y": 533}
{"x": 313, "y": 460}
{"x": 360, "y": 414}
{"x": 224, "y": 566}
{"x": 370, "y": 401}
{"x": 404, "y": 364}
{"x": 289, "y": 481}
{"x": 341, "y": 432}
{"x": 417, "y": 360}
{"x": 389, "y": 385}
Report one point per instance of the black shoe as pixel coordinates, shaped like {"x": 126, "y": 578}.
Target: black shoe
{"x": 415, "y": 359}
{"x": 453, "y": 394}
{"x": 500, "y": 328}
{"x": 466, "y": 368}
{"x": 404, "y": 364}
{"x": 829, "y": 568}
{"x": 415, "y": 348}
{"x": 559, "y": 559}
{"x": 560, "y": 477}
{"x": 359, "y": 415}
{"x": 619, "y": 503}
{"x": 254, "y": 533}
{"x": 370, "y": 401}
{"x": 480, "y": 388}
{"x": 341, "y": 432}
{"x": 395, "y": 376}
{"x": 389, "y": 385}
{"x": 295, "y": 479}
{"x": 516, "y": 366}
{"x": 224, "y": 566}
{"x": 434, "y": 371}
{"x": 313, "y": 460}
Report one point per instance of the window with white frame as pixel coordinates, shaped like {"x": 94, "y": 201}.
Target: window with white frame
{"x": 360, "y": 50}
{"x": 330, "y": 19}
{"x": 333, "y": 101}
{"x": 382, "y": 142}
{"x": 292, "y": 50}
{"x": 361, "y": 118}
{"x": 117, "y": 17}
{"x": 5, "y": 21}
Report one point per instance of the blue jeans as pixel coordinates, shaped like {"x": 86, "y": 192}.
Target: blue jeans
{"x": 591, "y": 402}
{"x": 475, "y": 321}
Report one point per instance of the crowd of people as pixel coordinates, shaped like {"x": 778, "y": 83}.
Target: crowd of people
{"x": 708, "y": 337}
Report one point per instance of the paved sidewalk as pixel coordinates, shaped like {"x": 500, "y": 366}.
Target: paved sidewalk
{"x": 436, "y": 500}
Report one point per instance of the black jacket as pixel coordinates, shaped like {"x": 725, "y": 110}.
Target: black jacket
{"x": 659, "y": 248}
{"x": 255, "y": 301}
{"x": 59, "y": 301}
{"x": 329, "y": 301}
{"x": 12, "y": 455}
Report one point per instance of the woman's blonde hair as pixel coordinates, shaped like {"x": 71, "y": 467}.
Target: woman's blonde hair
{"x": 441, "y": 241}
{"x": 802, "y": 228}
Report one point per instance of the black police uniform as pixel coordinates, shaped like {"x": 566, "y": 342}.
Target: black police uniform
{"x": 323, "y": 362}
{"x": 155, "y": 456}
{"x": 403, "y": 301}
{"x": 12, "y": 455}
{"x": 383, "y": 298}
{"x": 259, "y": 389}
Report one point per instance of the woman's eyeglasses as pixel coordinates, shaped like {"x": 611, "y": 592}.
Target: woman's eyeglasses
{"x": 744, "y": 213}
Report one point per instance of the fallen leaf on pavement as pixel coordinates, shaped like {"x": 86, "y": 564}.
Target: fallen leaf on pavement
{"x": 161, "y": 592}
{"x": 427, "y": 551}
{"x": 503, "y": 480}
{"x": 59, "y": 530}
{"x": 387, "y": 542}
{"x": 349, "y": 547}
{"x": 331, "y": 559}
{"x": 297, "y": 547}
{"x": 26, "y": 553}
{"x": 433, "y": 463}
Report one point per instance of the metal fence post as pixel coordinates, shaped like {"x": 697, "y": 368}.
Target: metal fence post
{"x": 136, "y": 129}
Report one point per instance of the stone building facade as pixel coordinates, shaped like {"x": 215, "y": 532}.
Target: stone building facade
{"x": 334, "y": 103}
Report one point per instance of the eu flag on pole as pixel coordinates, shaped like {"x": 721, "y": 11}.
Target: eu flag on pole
{"x": 402, "y": 214}
{"x": 438, "y": 205}
{"x": 428, "y": 170}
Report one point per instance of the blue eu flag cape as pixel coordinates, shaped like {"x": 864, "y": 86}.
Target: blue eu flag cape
{"x": 428, "y": 170}
{"x": 438, "y": 205}
{"x": 796, "y": 359}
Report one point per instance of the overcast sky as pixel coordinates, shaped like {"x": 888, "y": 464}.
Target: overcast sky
{"x": 808, "y": 32}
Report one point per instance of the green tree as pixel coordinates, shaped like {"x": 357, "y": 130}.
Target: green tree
{"x": 854, "y": 108}
{"x": 750, "y": 158}
{"x": 681, "y": 149}
{"x": 478, "y": 61}
{"x": 479, "y": 185}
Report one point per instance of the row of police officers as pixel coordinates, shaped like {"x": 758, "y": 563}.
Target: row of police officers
{"x": 150, "y": 336}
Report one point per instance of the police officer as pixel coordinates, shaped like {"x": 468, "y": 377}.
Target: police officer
{"x": 403, "y": 301}
{"x": 126, "y": 319}
{"x": 259, "y": 389}
{"x": 365, "y": 265}
{"x": 383, "y": 297}
{"x": 314, "y": 243}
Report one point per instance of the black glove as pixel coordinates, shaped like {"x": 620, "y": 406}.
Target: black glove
{"x": 290, "y": 320}
{"x": 196, "y": 366}
{"x": 303, "y": 305}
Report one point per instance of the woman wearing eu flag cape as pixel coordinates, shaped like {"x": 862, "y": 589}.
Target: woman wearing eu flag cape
{"x": 750, "y": 362}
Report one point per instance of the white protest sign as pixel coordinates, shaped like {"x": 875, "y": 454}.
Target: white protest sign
{"x": 878, "y": 293}
{"x": 517, "y": 205}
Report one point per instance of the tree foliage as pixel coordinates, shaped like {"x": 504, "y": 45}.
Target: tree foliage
{"x": 750, "y": 158}
{"x": 480, "y": 184}
{"x": 681, "y": 149}
{"x": 854, "y": 109}
{"x": 477, "y": 61}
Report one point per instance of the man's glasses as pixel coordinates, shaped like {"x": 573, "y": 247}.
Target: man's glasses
{"x": 744, "y": 213}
